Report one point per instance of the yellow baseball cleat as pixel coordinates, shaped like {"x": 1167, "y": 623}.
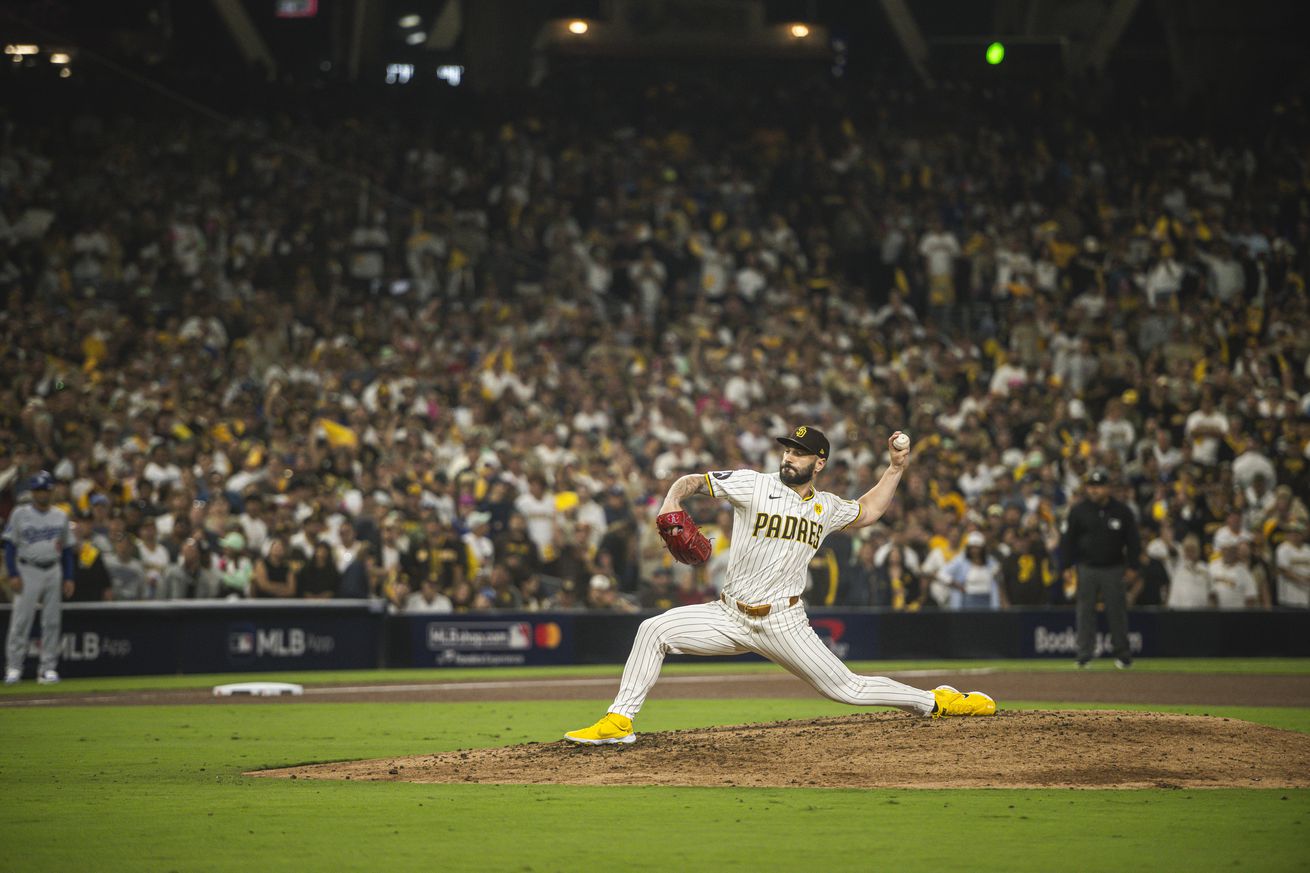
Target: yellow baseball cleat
{"x": 955, "y": 703}
{"x": 613, "y": 728}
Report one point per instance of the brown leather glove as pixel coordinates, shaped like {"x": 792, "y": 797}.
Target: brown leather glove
{"x": 683, "y": 538}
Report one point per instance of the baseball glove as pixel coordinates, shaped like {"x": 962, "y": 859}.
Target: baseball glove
{"x": 684, "y": 540}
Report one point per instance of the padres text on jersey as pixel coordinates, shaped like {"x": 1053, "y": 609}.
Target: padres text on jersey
{"x": 778, "y": 531}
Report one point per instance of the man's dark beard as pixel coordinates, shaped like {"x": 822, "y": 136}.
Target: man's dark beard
{"x": 795, "y": 478}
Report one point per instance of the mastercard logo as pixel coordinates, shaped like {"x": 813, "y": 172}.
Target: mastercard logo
{"x": 548, "y": 635}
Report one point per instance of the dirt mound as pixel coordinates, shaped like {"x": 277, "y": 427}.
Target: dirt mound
{"x": 1047, "y": 749}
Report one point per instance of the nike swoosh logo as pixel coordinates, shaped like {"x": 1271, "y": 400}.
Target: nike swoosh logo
{"x": 774, "y": 496}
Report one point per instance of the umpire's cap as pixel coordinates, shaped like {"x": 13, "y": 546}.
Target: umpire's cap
{"x": 41, "y": 481}
{"x": 807, "y": 439}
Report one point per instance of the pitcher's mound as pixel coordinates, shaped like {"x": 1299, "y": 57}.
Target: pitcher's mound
{"x": 1053, "y": 749}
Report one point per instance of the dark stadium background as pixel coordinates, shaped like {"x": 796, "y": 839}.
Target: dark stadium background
{"x": 1160, "y": 77}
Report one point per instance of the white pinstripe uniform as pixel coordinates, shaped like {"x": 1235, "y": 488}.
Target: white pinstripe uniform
{"x": 775, "y": 533}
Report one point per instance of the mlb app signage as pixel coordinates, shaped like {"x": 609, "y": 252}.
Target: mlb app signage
{"x": 248, "y": 641}
{"x": 292, "y": 640}
{"x": 97, "y": 642}
{"x": 122, "y": 640}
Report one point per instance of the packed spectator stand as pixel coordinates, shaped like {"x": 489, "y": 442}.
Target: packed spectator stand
{"x": 456, "y": 365}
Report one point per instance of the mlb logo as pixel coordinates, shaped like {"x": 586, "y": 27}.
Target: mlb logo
{"x": 520, "y": 636}
{"x": 241, "y": 643}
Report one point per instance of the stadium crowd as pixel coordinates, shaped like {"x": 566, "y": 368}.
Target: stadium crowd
{"x": 456, "y": 366}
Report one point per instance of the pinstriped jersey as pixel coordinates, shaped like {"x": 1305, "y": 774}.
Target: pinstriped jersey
{"x": 775, "y": 532}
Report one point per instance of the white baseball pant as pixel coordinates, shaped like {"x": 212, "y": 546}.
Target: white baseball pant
{"x": 784, "y": 636}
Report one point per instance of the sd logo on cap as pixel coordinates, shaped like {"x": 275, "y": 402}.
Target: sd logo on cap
{"x": 807, "y": 439}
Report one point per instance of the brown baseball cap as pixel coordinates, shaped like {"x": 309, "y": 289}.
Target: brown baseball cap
{"x": 808, "y": 439}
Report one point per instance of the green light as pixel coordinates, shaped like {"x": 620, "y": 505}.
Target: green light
{"x": 995, "y": 53}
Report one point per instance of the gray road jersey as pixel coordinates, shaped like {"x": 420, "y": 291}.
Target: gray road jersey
{"x": 38, "y": 537}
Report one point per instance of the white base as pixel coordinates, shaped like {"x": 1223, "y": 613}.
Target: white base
{"x": 258, "y": 689}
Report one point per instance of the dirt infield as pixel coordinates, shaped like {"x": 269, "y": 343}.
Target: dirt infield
{"x": 1076, "y": 749}
{"x": 1056, "y": 749}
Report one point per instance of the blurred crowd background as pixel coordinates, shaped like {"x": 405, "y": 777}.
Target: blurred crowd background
{"x": 456, "y": 362}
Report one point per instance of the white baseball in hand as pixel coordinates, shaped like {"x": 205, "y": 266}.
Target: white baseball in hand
{"x": 901, "y": 442}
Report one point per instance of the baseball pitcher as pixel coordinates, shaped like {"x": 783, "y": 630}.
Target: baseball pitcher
{"x": 780, "y": 519}
{"x": 39, "y": 559}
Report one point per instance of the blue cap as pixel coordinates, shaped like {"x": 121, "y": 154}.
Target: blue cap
{"x": 41, "y": 481}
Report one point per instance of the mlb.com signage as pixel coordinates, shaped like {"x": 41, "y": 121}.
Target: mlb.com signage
{"x": 455, "y": 642}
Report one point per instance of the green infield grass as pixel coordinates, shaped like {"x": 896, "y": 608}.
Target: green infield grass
{"x": 702, "y": 666}
{"x": 161, "y": 788}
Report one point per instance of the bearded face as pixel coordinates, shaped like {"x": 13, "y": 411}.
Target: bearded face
{"x": 797, "y": 469}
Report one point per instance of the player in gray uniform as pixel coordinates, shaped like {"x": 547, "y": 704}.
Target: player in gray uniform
{"x": 39, "y": 559}
{"x": 780, "y": 520}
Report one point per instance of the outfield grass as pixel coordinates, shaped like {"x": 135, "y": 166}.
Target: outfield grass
{"x": 160, "y": 788}
{"x": 700, "y": 666}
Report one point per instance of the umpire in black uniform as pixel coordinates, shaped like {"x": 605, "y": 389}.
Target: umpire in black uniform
{"x": 1100, "y": 545}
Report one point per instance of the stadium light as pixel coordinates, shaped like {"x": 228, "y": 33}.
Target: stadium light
{"x": 295, "y": 8}
{"x": 65, "y": 72}
{"x": 995, "y": 53}
{"x": 22, "y": 49}
{"x": 411, "y": 20}
{"x": 416, "y": 38}
{"x": 800, "y": 31}
{"x": 59, "y": 58}
{"x": 578, "y": 27}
